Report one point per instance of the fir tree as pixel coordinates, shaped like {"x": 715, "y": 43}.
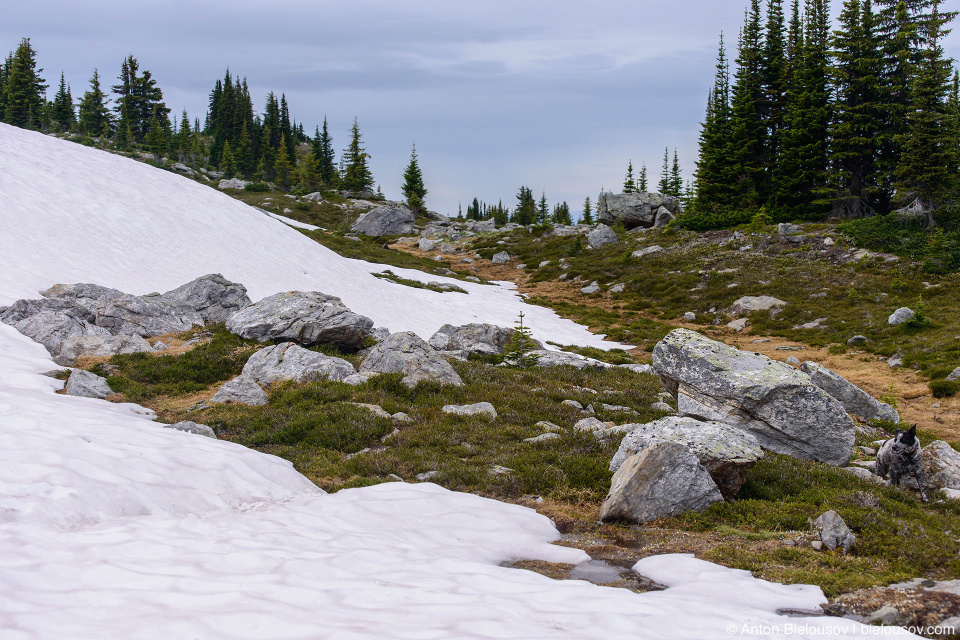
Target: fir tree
{"x": 928, "y": 164}
{"x": 268, "y": 156}
{"x": 282, "y": 167}
{"x": 587, "y": 217}
{"x": 543, "y": 209}
{"x": 526, "y": 211}
{"x": 856, "y": 131}
{"x": 713, "y": 190}
{"x": 413, "y": 189}
{"x": 773, "y": 73}
{"x": 664, "y": 185}
{"x": 156, "y": 138}
{"x": 629, "y": 184}
{"x": 676, "y": 180}
{"x": 227, "y": 164}
{"x": 307, "y": 173}
{"x": 357, "y": 177}
{"x": 64, "y": 117}
{"x": 94, "y": 113}
{"x": 745, "y": 169}
{"x": 642, "y": 179}
{"x": 327, "y": 158}
{"x": 24, "y": 89}
{"x": 561, "y": 214}
{"x": 184, "y": 138}
{"x": 520, "y": 347}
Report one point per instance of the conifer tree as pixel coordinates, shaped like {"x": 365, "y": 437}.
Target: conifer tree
{"x": 327, "y": 158}
{"x": 526, "y": 211}
{"x": 629, "y": 185}
{"x": 64, "y": 117}
{"x": 543, "y": 208}
{"x": 413, "y": 189}
{"x": 744, "y": 173}
{"x": 307, "y": 176}
{"x": 357, "y": 177}
{"x": 520, "y": 347}
{"x": 227, "y": 164}
{"x": 773, "y": 71}
{"x": 713, "y": 188}
{"x": 94, "y": 115}
{"x": 561, "y": 214}
{"x": 663, "y": 186}
{"x": 642, "y": 179}
{"x": 676, "y": 180}
{"x": 282, "y": 168}
{"x": 929, "y": 161}
{"x": 587, "y": 217}
{"x": 268, "y": 156}
{"x": 24, "y": 90}
{"x": 856, "y": 130}
{"x": 156, "y": 138}
{"x": 184, "y": 137}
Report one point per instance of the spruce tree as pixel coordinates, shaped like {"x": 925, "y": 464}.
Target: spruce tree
{"x": 307, "y": 176}
{"x": 526, "y": 211}
{"x": 629, "y": 184}
{"x": 856, "y": 131}
{"x": 282, "y": 167}
{"x": 929, "y": 161}
{"x": 357, "y": 177}
{"x": 663, "y": 187}
{"x": 587, "y": 217}
{"x": 64, "y": 117}
{"x": 413, "y": 189}
{"x": 23, "y": 96}
{"x": 745, "y": 168}
{"x": 327, "y": 158}
{"x": 642, "y": 179}
{"x": 713, "y": 189}
{"x": 184, "y": 137}
{"x": 227, "y": 163}
{"x": 773, "y": 72}
{"x": 676, "y": 180}
{"x": 543, "y": 209}
{"x": 94, "y": 115}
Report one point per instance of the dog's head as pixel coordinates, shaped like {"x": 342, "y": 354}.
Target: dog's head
{"x": 905, "y": 442}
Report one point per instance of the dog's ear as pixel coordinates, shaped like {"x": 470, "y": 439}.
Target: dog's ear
{"x": 913, "y": 430}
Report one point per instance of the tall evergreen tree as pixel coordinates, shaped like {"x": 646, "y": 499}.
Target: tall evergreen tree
{"x": 587, "y": 217}
{"x": 561, "y": 214}
{"x": 773, "y": 102}
{"x": 713, "y": 188}
{"x": 856, "y": 130}
{"x": 24, "y": 89}
{"x": 745, "y": 163}
{"x": 227, "y": 163}
{"x": 326, "y": 159}
{"x": 543, "y": 209}
{"x": 94, "y": 115}
{"x": 526, "y": 211}
{"x": 929, "y": 161}
{"x": 64, "y": 117}
{"x": 664, "y": 186}
{"x": 642, "y": 179}
{"x": 357, "y": 176}
{"x": 282, "y": 167}
{"x": 676, "y": 180}
{"x": 413, "y": 189}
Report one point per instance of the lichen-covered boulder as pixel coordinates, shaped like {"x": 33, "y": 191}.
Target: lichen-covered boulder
{"x": 854, "y": 399}
{"x": 407, "y": 353}
{"x": 51, "y": 321}
{"x": 547, "y": 358}
{"x": 601, "y": 236}
{"x": 241, "y": 390}
{"x": 663, "y": 480}
{"x": 634, "y": 209}
{"x": 473, "y": 338}
{"x": 726, "y": 452}
{"x": 212, "y": 296}
{"x": 146, "y": 316}
{"x": 484, "y": 409}
{"x": 392, "y": 219}
{"x": 289, "y": 361}
{"x": 777, "y": 404}
{"x": 307, "y": 317}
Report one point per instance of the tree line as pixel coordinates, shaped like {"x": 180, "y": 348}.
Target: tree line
{"x": 815, "y": 123}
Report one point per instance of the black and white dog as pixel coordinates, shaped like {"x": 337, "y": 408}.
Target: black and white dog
{"x": 902, "y": 456}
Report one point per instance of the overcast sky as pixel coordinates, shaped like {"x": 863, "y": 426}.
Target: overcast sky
{"x": 557, "y": 95}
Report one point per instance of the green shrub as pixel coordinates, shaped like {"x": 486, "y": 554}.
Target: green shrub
{"x": 257, "y": 186}
{"x": 944, "y": 388}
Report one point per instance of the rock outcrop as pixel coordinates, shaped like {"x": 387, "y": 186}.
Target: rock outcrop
{"x": 855, "y": 400}
{"x": 777, "y": 404}
{"x": 484, "y": 409}
{"x": 663, "y": 480}
{"x": 547, "y": 358}
{"x": 86, "y": 385}
{"x": 288, "y": 361}
{"x": 387, "y": 220}
{"x": 407, "y": 353}
{"x": 212, "y": 296}
{"x": 635, "y": 209}
{"x": 241, "y": 390}
{"x": 601, "y": 236}
{"x": 473, "y": 338}
{"x": 98, "y": 345}
{"x": 307, "y": 317}
{"x": 726, "y": 452}
{"x": 192, "y": 427}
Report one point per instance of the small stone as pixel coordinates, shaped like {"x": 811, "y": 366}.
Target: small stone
{"x": 549, "y": 426}
{"x": 790, "y": 543}
{"x": 543, "y": 437}
{"x": 484, "y": 409}
{"x": 738, "y": 325}
{"x": 834, "y": 532}
{"x": 792, "y": 360}
{"x": 401, "y": 417}
{"x": 497, "y": 470}
{"x": 394, "y": 477}
{"x": 192, "y": 427}
{"x": 501, "y": 257}
{"x": 86, "y": 385}
{"x": 573, "y": 404}
{"x": 817, "y": 545}
{"x": 886, "y": 615}
{"x": 901, "y": 316}
{"x": 689, "y": 316}
{"x": 867, "y": 451}
{"x": 543, "y": 264}
{"x": 593, "y": 287}
{"x": 857, "y": 341}
{"x": 662, "y": 406}
{"x": 954, "y": 375}
{"x": 617, "y": 288}
{"x": 646, "y": 251}
{"x": 589, "y": 424}
{"x": 427, "y": 476}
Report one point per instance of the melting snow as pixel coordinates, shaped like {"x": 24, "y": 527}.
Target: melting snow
{"x": 113, "y": 527}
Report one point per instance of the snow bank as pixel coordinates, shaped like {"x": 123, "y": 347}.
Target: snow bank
{"x": 75, "y": 214}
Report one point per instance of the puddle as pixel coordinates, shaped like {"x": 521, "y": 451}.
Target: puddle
{"x": 599, "y": 572}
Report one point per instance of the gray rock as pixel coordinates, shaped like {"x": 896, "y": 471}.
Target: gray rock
{"x": 289, "y": 361}
{"x": 855, "y": 400}
{"x": 145, "y": 316}
{"x": 954, "y": 375}
{"x": 406, "y": 353}
{"x": 663, "y": 480}
{"x": 593, "y": 287}
{"x": 375, "y": 409}
{"x": 727, "y": 453}
{"x": 787, "y": 229}
{"x": 662, "y": 406}
{"x": 901, "y": 316}
{"x": 748, "y": 304}
{"x": 101, "y": 346}
{"x": 501, "y": 257}
{"x": 857, "y": 341}
{"x": 637, "y": 368}
{"x": 777, "y": 404}
{"x": 232, "y": 183}
{"x": 549, "y": 426}
{"x": 941, "y": 466}
{"x": 160, "y": 346}
{"x": 427, "y": 476}
{"x": 816, "y": 545}
{"x": 634, "y": 209}
{"x": 212, "y": 296}
{"x": 473, "y": 338}
{"x": 184, "y": 169}
{"x": 895, "y": 361}
{"x": 589, "y": 424}
{"x": 308, "y": 317}
{"x": 793, "y": 360}
{"x": 192, "y": 427}
{"x": 834, "y": 532}
{"x": 50, "y": 321}
{"x": 358, "y": 378}
{"x": 316, "y": 196}
{"x": 646, "y": 251}
{"x": 887, "y": 615}
{"x": 391, "y": 219}
{"x": 379, "y": 333}
{"x": 738, "y": 325}
{"x": 426, "y": 245}
{"x": 446, "y": 247}
{"x": 543, "y": 263}
{"x": 864, "y": 474}
{"x": 565, "y": 358}
{"x": 484, "y": 409}
{"x": 690, "y": 316}
{"x": 601, "y": 236}
{"x": 401, "y": 417}
{"x": 86, "y": 385}
{"x": 573, "y": 404}
{"x": 543, "y": 437}
{"x": 617, "y": 288}
{"x": 242, "y": 391}
{"x": 663, "y": 218}
{"x": 482, "y": 226}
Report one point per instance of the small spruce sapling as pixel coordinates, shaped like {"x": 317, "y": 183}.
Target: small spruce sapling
{"x": 520, "y": 347}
